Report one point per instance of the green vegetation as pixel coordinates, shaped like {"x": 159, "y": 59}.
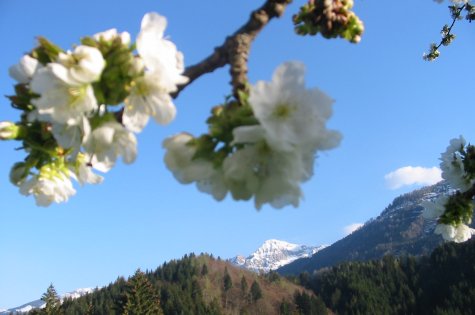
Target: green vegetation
{"x": 141, "y": 297}
{"x": 194, "y": 286}
{"x": 53, "y": 303}
{"x": 442, "y": 283}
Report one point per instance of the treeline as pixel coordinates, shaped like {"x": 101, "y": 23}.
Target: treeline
{"x": 441, "y": 284}
{"x": 191, "y": 286}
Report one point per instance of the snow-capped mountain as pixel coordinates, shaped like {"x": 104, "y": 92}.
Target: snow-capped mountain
{"x": 274, "y": 254}
{"x": 399, "y": 230}
{"x": 40, "y": 304}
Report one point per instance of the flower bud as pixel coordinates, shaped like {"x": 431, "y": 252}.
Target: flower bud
{"x": 18, "y": 173}
{"x": 9, "y": 130}
{"x": 137, "y": 67}
{"x": 111, "y": 35}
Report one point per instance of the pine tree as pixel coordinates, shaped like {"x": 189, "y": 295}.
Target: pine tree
{"x": 227, "y": 284}
{"x": 256, "y": 292}
{"x": 204, "y": 270}
{"x": 52, "y": 301}
{"x": 244, "y": 286}
{"x": 141, "y": 297}
{"x": 227, "y": 281}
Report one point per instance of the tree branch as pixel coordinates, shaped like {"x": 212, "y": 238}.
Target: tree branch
{"x": 235, "y": 49}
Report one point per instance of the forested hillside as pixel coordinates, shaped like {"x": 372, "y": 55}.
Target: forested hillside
{"x": 399, "y": 230}
{"x": 442, "y": 283}
{"x": 196, "y": 285}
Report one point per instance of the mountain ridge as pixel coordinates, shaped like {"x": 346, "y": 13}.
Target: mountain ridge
{"x": 273, "y": 254}
{"x": 399, "y": 230}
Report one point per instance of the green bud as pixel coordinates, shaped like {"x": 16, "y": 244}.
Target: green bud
{"x": 46, "y": 52}
{"x": 18, "y": 173}
{"x": 89, "y": 41}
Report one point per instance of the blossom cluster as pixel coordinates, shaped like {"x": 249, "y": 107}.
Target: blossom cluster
{"x": 81, "y": 108}
{"x": 455, "y": 212}
{"x": 262, "y": 146}
{"x": 330, "y": 18}
{"x": 454, "y": 1}
{"x": 456, "y": 12}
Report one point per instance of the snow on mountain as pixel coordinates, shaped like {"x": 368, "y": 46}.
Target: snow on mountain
{"x": 41, "y": 304}
{"x": 274, "y": 254}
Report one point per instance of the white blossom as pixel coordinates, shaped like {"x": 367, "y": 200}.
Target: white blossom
{"x": 463, "y": 233}
{"x": 458, "y": 234}
{"x": 72, "y": 136}
{"x": 51, "y": 185}
{"x": 59, "y": 101}
{"x": 82, "y": 171}
{"x": 163, "y": 64}
{"x": 292, "y": 115}
{"x": 146, "y": 99}
{"x": 82, "y": 66}
{"x": 452, "y": 166}
{"x": 179, "y": 160}
{"x": 109, "y": 141}
{"x": 454, "y": 1}
{"x": 433, "y": 210}
{"x": 304, "y": 157}
{"x": 111, "y": 35}
{"x": 446, "y": 230}
{"x": 25, "y": 69}
{"x": 269, "y": 176}
{"x": 159, "y": 54}
{"x": 248, "y": 134}
{"x": 213, "y": 185}
{"x": 137, "y": 67}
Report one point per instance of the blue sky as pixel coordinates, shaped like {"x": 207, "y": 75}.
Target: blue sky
{"x": 393, "y": 109}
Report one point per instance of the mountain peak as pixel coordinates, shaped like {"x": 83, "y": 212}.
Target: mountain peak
{"x": 274, "y": 254}
{"x": 399, "y": 230}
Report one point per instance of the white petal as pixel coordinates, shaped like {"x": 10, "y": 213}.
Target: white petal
{"x": 248, "y": 134}
{"x": 165, "y": 113}
{"x": 24, "y": 71}
{"x": 134, "y": 120}
{"x": 290, "y": 75}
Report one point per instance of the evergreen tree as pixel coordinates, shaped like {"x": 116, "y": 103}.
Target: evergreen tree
{"x": 285, "y": 308}
{"x": 227, "y": 284}
{"x": 309, "y": 305}
{"x": 256, "y": 292}
{"x": 141, "y": 297}
{"x": 227, "y": 281}
{"x": 244, "y": 286}
{"x": 52, "y": 301}
{"x": 204, "y": 270}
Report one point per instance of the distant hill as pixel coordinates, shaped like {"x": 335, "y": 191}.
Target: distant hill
{"x": 274, "y": 254}
{"x": 440, "y": 284}
{"x": 197, "y": 285}
{"x": 399, "y": 230}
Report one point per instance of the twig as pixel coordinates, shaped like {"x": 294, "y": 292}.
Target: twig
{"x": 235, "y": 49}
{"x": 454, "y": 19}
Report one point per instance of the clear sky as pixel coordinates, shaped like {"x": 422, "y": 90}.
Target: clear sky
{"x": 393, "y": 109}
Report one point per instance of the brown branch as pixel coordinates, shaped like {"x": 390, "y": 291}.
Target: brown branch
{"x": 235, "y": 49}
{"x": 238, "y": 52}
